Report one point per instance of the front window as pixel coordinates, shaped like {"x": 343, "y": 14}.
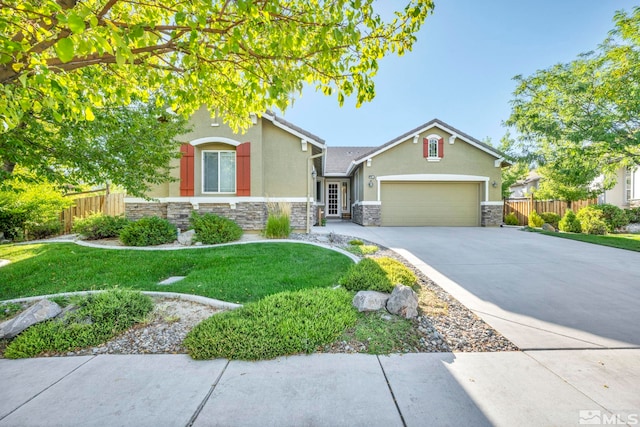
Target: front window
{"x": 219, "y": 172}
{"x": 433, "y": 148}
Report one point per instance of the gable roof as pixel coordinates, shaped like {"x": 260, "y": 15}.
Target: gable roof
{"x": 414, "y": 132}
{"x": 339, "y": 159}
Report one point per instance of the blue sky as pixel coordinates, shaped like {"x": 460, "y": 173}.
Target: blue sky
{"x": 461, "y": 68}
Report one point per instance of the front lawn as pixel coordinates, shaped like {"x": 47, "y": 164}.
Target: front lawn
{"x": 629, "y": 242}
{"x": 237, "y": 273}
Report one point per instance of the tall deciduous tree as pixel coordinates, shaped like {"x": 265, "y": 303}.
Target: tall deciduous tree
{"x": 131, "y": 146}
{"x": 62, "y": 61}
{"x": 581, "y": 119}
{"x": 68, "y": 57}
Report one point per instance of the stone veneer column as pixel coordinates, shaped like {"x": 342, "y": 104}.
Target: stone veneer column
{"x": 491, "y": 215}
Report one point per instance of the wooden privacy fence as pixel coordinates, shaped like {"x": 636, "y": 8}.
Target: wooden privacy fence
{"x": 523, "y": 207}
{"x": 112, "y": 204}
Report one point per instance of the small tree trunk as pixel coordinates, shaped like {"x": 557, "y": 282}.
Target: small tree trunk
{"x": 107, "y": 199}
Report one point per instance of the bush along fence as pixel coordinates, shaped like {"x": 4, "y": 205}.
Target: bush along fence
{"x": 111, "y": 204}
{"x": 523, "y": 207}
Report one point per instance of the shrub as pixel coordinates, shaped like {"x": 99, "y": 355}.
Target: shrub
{"x": 98, "y": 318}
{"x": 511, "y": 219}
{"x": 613, "y": 216}
{"x": 30, "y": 210}
{"x": 551, "y": 218}
{"x": 535, "y": 220}
{"x": 363, "y": 249}
{"x": 366, "y": 275}
{"x": 356, "y": 242}
{"x": 278, "y": 222}
{"x": 212, "y": 229}
{"x": 591, "y": 220}
{"x": 148, "y": 231}
{"x": 570, "y": 223}
{"x": 633, "y": 214}
{"x": 278, "y": 325}
{"x": 99, "y": 226}
{"x": 396, "y": 271}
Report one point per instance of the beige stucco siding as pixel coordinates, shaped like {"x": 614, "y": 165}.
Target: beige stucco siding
{"x": 459, "y": 158}
{"x": 284, "y": 163}
{"x": 430, "y": 204}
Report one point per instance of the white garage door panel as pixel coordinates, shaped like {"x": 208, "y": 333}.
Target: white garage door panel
{"x": 430, "y": 204}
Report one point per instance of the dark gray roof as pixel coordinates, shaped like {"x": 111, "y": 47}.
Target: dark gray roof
{"x": 426, "y": 125}
{"x": 296, "y": 128}
{"x": 339, "y": 158}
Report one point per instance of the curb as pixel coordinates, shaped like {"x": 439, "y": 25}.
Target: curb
{"x": 185, "y": 297}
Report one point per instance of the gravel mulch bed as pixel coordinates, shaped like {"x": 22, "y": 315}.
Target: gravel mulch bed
{"x": 452, "y": 327}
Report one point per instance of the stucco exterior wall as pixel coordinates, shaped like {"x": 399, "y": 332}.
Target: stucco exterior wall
{"x": 285, "y": 165}
{"x": 460, "y": 158}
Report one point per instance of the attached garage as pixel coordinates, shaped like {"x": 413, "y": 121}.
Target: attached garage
{"x": 430, "y": 204}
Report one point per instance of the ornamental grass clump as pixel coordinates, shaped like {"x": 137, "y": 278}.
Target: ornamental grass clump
{"x": 278, "y": 325}
{"x": 278, "y": 222}
{"x": 98, "y": 318}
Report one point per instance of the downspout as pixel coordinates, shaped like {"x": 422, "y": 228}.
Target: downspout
{"x": 309, "y": 189}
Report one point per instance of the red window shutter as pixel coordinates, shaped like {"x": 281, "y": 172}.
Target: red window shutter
{"x": 441, "y": 147}
{"x": 425, "y": 148}
{"x": 186, "y": 170}
{"x": 243, "y": 169}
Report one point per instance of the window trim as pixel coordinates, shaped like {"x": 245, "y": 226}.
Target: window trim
{"x": 235, "y": 178}
{"x": 433, "y": 139}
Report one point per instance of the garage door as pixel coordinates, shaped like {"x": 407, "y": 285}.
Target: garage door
{"x": 430, "y": 203}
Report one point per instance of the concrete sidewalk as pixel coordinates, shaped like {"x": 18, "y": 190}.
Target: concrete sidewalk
{"x": 505, "y": 389}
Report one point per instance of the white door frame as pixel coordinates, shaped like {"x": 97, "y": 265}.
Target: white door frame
{"x": 339, "y": 198}
{"x": 332, "y": 201}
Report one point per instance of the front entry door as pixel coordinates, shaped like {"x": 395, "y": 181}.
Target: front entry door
{"x": 333, "y": 199}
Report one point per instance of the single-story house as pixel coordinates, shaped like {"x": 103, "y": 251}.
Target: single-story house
{"x": 432, "y": 175}
{"x": 524, "y": 187}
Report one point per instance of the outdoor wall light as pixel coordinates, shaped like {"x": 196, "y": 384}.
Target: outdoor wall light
{"x": 371, "y": 183}
{"x": 314, "y": 174}
{"x": 494, "y": 184}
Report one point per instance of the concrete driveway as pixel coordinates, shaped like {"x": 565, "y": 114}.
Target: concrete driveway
{"x": 540, "y": 292}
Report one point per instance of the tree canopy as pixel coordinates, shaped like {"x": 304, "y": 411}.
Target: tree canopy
{"x": 581, "y": 119}
{"x": 131, "y": 146}
{"x": 69, "y": 57}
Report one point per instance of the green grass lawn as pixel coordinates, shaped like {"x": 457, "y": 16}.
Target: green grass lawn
{"x": 238, "y": 273}
{"x": 630, "y": 242}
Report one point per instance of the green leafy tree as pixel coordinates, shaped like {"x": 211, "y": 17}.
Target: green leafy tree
{"x": 518, "y": 167}
{"x": 130, "y": 146}
{"x": 66, "y": 58}
{"x": 584, "y": 114}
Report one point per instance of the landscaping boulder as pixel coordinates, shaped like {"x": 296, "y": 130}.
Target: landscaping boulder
{"x": 186, "y": 238}
{"x": 548, "y": 227}
{"x": 370, "y": 300}
{"x": 403, "y": 302}
{"x": 39, "y": 312}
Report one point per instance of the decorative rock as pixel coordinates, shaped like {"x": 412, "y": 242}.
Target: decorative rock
{"x": 186, "y": 238}
{"x": 548, "y": 227}
{"x": 403, "y": 302}
{"x": 39, "y": 312}
{"x": 370, "y": 300}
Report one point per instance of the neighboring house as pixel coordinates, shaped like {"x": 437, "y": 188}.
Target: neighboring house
{"x": 626, "y": 192}
{"x": 524, "y": 187}
{"x": 431, "y": 175}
